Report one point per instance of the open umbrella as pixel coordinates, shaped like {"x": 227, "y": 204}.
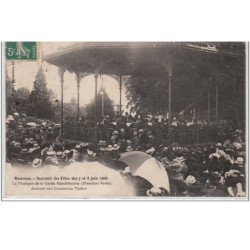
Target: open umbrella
{"x": 147, "y": 167}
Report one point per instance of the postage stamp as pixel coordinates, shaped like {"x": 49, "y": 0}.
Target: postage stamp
{"x": 21, "y": 50}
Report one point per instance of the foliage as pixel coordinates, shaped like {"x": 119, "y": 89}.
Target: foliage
{"x": 69, "y": 110}
{"x": 108, "y": 106}
{"x": 22, "y": 99}
{"x": 10, "y": 94}
{"x": 147, "y": 93}
{"x": 193, "y": 74}
{"x": 40, "y": 99}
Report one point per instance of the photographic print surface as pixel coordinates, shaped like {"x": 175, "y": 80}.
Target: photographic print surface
{"x": 136, "y": 120}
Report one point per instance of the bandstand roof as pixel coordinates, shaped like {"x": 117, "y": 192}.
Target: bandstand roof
{"x": 135, "y": 58}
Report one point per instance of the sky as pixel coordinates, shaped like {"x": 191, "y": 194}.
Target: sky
{"x": 25, "y": 73}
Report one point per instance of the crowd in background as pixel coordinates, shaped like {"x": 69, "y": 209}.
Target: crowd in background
{"x": 215, "y": 168}
{"x": 183, "y": 129}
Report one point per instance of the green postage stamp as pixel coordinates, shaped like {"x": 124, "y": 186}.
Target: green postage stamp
{"x": 21, "y": 50}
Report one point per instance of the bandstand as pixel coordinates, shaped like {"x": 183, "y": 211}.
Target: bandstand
{"x": 123, "y": 59}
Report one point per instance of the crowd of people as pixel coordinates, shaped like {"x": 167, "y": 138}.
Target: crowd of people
{"x": 197, "y": 169}
{"x": 184, "y": 129}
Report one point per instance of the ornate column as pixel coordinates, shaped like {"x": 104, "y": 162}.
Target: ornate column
{"x": 170, "y": 75}
{"x": 61, "y": 72}
{"x": 216, "y": 102}
{"x": 13, "y": 73}
{"x": 120, "y": 89}
{"x": 208, "y": 99}
{"x": 208, "y": 104}
{"x": 96, "y": 78}
{"x": 78, "y": 80}
{"x": 168, "y": 64}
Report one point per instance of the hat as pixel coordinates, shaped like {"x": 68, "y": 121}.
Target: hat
{"x": 129, "y": 148}
{"x": 77, "y": 146}
{"x": 239, "y": 161}
{"x": 140, "y": 130}
{"x": 126, "y": 170}
{"x": 154, "y": 191}
{"x": 67, "y": 153}
{"x": 36, "y": 163}
{"x": 103, "y": 148}
{"x": 16, "y": 114}
{"x": 221, "y": 153}
{"x": 229, "y": 150}
{"x": 51, "y": 161}
{"x": 165, "y": 149}
{"x": 116, "y": 147}
{"x": 218, "y": 145}
{"x": 237, "y": 145}
{"x": 50, "y": 153}
{"x": 59, "y": 154}
{"x": 84, "y": 144}
{"x": 190, "y": 180}
{"x": 122, "y": 129}
{"x": 13, "y": 142}
{"x": 150, "y": 151}
{"x": 115, "y": 132}
{"x": 178, "y": 149}
{"x": 110, "y": 148}
{"x": 214, "y": 155}
{"x": 17, "y": 145}
{"x": 91, "y": 153}
{"x": 24, "y": 151}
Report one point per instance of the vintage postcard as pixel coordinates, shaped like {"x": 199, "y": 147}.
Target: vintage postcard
{"x": 124, "y": 120}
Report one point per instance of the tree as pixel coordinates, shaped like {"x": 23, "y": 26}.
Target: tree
{"x": 10, "y": 94}
{"x": 108, "y": 106}
{"x": 40, "y": 98}
{"x": 193, "y": 74}
{"x": 69, "y": 110}
{"x": 147, "y": 93}
{"x": 22, "y": 99}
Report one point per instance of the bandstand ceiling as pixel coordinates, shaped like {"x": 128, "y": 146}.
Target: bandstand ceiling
{"x": 132, "y": 58}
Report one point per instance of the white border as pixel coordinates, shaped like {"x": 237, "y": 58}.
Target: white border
{"x": 124, "y": 225}
{"x": 19, "y": 198}
{"x": 247, "y": 119}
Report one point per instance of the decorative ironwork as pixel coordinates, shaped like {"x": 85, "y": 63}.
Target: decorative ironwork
{"x": 61, "y": 72}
